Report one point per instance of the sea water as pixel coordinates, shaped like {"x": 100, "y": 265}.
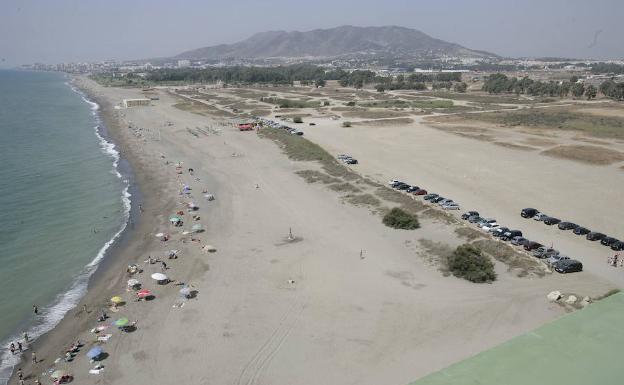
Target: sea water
{"x": 63, "y": 202}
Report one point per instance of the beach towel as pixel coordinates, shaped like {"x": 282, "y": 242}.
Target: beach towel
{"x": 105, "y": 337}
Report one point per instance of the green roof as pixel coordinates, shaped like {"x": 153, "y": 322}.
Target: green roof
{"x": 580, "y": 348}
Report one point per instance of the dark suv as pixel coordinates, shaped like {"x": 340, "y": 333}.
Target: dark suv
{"x": 551, "y": 221}
{"x": 617, "y": 246}
{"x": 567, "y": 226}
{"x": 581, "y": 230}
{"x": 608, "y": 241}
{"x": 468, "y": 214}
{"x": 531, "y": 245}
{"x": 528, "y": 213}
{"x": 595, "y": 236}
{"x": 568, "y": 266}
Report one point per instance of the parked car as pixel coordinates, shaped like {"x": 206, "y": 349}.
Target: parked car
{"x": 498, "y": 232}
{"x": 391, "y": 183}
{"x": 528, "y": 212}
{"x": 617, "y": 246}
{"x": 350, "y": 160}
{"x": 402, "y": 186}
{"x": 420, "y": 192}
{"x": 436, "y": 200}
{"x": 553, "y": 259}
{"x": 608, "y": 241}
{"x": 490, "y": 227}
{"x": 532, "y": 245}
{"x": 451, "y": 206}
{"x": 540, "y": 217}
{"x": 429, "y": 197}
{"x": 567, "y": 226}
{"x": 551, "y": 221}
{"x": 519, "y": 241}
{"x": 581, "y": 230}
{"x": 568, "y": 266}
{"x": 544, "y": 252}
{"x": 474, "y": 219}
{"x": 445, "y": 201}
{"x": 412, "y": 189}
{"x": 468, "y": 214}
{"x": 595, "y": 236}
{"x": 508, "y": 235}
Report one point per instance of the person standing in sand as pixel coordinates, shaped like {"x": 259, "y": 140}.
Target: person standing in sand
{"x": 34, "y": 358}
{"x": 19, "y": 347}
{"x": 12, "y": 348}
{"x": 35, "y": 309}
{"x": 26, "y": 337}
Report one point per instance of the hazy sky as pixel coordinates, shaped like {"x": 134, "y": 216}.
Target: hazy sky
{"x": 53, "y": 31}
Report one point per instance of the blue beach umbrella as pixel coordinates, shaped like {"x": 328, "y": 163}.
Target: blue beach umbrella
{"x": 95, "y": 352}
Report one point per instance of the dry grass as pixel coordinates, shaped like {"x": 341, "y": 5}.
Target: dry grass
{"x": 313, "y": 176}
{"x": 363, "y": 200}
{"x": 586, "y": 154}
{"x": 385, "y": 122}
{"x": 540, "y": 142}
{"x": 436, "y": 253}
{"x": 260, "y": 112}
{"x": 514, "y": 146}
{"x": 344, "y": 187}
{"x": 373, "y": 114}
{"x": 519, "y": 263}
{"x": 468, "y": 233}
{"x": 481, "y": 137}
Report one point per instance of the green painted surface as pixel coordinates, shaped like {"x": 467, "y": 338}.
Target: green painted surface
{"x": 581, "y": 348}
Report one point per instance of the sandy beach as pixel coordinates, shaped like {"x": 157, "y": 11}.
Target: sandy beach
{"x": 269, "y": 310}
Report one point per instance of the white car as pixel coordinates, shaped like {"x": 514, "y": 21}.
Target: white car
{"x": 393, "y": 181}
{"x": 451, "y": 206}
{"x": 445, "y": 202}
{"x": 490, "y": 226}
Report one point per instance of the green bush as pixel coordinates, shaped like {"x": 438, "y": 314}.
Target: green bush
{"x": 346, "y": 124}
{"x": 297, "y": 119}
{"x": 469, "y": 263}
{"x": 400, "y": 219}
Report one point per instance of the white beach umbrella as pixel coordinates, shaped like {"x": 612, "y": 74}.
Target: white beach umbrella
{"x": 159, "y": 235}
{"x": 133, "y": 282}
{"x": 159, "y": 276}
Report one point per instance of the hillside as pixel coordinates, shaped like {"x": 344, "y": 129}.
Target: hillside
{"x": 341, "y": 41}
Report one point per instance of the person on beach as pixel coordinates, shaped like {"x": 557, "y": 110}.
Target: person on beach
{"x": 37, "y": 382}
{"x": 20, "y": 374}
{"x": 12, "y": 348}
{"x": 35, "y": 309}
{"x": 26, "y": 337}
{"x": 34, "y": 358}
{"x": 19, "y": 347}
{"x": 163, "y": 265}
{"x": 21, "y": 382}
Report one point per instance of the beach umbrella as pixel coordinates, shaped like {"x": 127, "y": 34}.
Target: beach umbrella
{"x": 133, "y": 282}
{"x": 121, "y": 322}
{"x": 197, "y": 228}
{"x": 210, "y": 197}
{"x": 144, "y": 293}
{"x": 159, "y": 276}
{"x": 116, "y": 299}
{"x": 174, "y": 219}
{"x": 58, "y": 374}
{"x": 209, "y": 248}
{"x": 185, "y": 291}
{"x": 95, "y": 352}
{"x": 159, "y": 235}
{"x": 192, "y": 205}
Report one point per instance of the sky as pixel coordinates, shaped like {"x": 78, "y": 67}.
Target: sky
{"x": 53, "y": 31}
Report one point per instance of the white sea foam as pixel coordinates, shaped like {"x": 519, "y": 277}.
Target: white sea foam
{"x": 67, "y": 300}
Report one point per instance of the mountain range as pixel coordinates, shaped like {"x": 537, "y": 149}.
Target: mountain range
{"x": 339, "y": 42}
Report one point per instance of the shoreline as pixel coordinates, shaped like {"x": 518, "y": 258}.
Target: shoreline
{"x": 115, "y": 257}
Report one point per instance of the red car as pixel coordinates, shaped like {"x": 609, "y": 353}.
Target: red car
{"x": 420, "y": 192}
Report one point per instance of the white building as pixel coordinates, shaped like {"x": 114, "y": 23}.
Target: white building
{"x": 184, "y": 63}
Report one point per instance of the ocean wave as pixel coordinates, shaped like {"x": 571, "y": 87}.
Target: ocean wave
{"x": 67, "y": 300}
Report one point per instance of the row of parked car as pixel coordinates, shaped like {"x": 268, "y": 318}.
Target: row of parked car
{"x": 347, "y": 159}
{"x": 559, "y": 262}
{"x": 274, "y": 124}
{"x": 614, "y": 243}
{"x": 445, "y": 203}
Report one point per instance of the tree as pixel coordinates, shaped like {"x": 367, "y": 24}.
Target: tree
{"x": 467, "y": 262}
{"x": 578, "y": 89}
{"x": 590, "y": 92}
{"x": 380, "y": 88}
{"x": 400, "y": 219}
{"x": 460, "y": 87}
{"x": 320, "y": 82}
{"x": 573, "y": 79}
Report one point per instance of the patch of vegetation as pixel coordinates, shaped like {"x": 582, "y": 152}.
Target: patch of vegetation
{"x": 399, "y": 103}
{"x": 373, "y": 114}
{"x": 344, "y": 187}
{"x": 438, "y": 253}
{"x": 586, "y": 154}
{"x": 607, "y": 294}
{"x": 400, "y": 219}
{"x": 521, "y": 264}
{"x": 384, "y": 122}
{"x": 363, "y": 200}
{"x": 563, "y": 119}
{"x": 469, "y": 263}
{"x": 346, "y": 124}
{"x": 297, "y": 119}
{"x": 290, "y": 103}
{"x": 313, "y": 176}
{"x": 468, "y": 233}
